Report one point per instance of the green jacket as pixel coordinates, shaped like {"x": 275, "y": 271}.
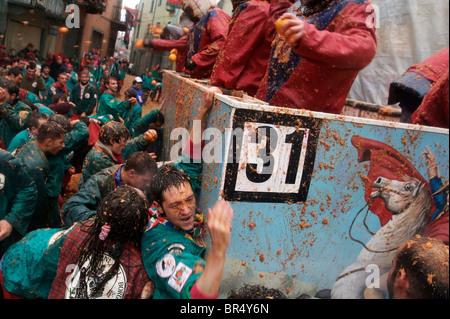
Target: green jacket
{"x": 50, "y": 92}
{"x": 30, "y": 265}
{"x": 18, "y": 196}
{"x": 108, "y": 104}
{"x": 172, "y": 261}
{"x": 37, "y": 166}
{"x": 58, "y": 164}
{"x": 34, "y": 86}
{"x": 164, "y": 245}
{"x": 19, "y": 140}
{"x": 99, "y": 157}
{"x": 13, "y": 120}
{"x": 87, "y": 103}
{"x": 83, "y": 204}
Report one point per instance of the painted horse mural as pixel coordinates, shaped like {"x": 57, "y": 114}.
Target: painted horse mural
{"x": 403, "y": 205}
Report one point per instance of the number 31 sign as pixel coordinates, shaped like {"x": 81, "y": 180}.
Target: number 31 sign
{"x": 272, "y": 157}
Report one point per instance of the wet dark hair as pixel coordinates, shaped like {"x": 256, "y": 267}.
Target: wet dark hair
{"x": 51, "y": 130}
{"x": 130, "y": 93}
{"x": 126, "y": 213}
{"x": 142, "y": 163}
{"x": 168, "y": 176}
{"x": 113, "y": 132}
{"x": 425, "y": 262}
{"x": 33, "y": 119}
{"x": 63, "y": 121}
{"x": 256, "y": 292}
{"x": 159, "y": 118}
{"x": 15, "y": 71}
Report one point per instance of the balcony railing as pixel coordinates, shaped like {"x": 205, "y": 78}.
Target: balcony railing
{"x": 54, "y": 7}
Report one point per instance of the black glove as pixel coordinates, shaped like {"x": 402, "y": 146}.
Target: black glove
{"x": 190, "y": 65}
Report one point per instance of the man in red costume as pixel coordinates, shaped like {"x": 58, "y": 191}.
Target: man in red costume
{"x": 242, "y": 63}
{"x": 411, "y": 88}
{"x": 328, "y": 43}
{"x": 203, "y": 42}
{"x": 434, "y": 110}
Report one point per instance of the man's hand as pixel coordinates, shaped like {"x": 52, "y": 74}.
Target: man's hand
{"x": 132, "y": 101}
{"x": 3, "y": 95}
{"x": 151, "y": 135}
{"x": 293, "y": 29}
{"x": 219, "y": 226}
{"x": 208, "y": 99}
{"x": 429, "y": 157}
{"x": 5, "y": 229}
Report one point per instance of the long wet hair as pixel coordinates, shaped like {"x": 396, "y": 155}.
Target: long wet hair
{"x": 125, "y": 211}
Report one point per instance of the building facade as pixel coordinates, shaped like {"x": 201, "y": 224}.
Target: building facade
{"x": 153, "y": 15}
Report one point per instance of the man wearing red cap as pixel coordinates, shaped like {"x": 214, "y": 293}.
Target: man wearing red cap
{"x": 57, "y": 67}
{"x": 29, "y": 48}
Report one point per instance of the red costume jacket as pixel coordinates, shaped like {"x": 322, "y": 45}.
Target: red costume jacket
{"x": 243, "y": 61}
{"x": 201, "y": 45}
{"x": 434, "y": 110}
{"x": 319, "y": 74}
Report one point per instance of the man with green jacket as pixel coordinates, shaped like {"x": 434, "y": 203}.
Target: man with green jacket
{"x": 84, "y": 96}
{"x": 113, "y": 147}
{"x": 18, "y": 196}
{"x": 50, "y": 140}
{"x": 13, "y": 113}
{"x": 138, "y": 171}
{"x": 173, "y": 245}
{"x": 108, "y": 103}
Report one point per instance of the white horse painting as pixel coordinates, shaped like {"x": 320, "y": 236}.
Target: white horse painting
{"x": 410, "y": 203}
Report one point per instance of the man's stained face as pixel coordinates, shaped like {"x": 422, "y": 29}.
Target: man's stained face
{"x": 178, "y": 206}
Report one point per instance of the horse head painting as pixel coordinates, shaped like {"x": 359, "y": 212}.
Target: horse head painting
{"x": 409, "y": 201}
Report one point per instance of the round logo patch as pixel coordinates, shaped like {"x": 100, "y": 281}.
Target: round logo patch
{"x": 81, "y": 286}
{"x": 166, "y": 266}
{"x": 2, "y": 181}
{"x": 87, "y": 95}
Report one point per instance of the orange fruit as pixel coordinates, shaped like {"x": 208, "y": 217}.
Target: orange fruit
{"x": 63, "y": 30}
{"x": 174, "y": 51}
{"x": 186, "y": 30}
{"x": 279, "y": 24}
{"x": 154, "y": 82}
{"x": 173, "y": 57}
{"x": 139, "y": 44}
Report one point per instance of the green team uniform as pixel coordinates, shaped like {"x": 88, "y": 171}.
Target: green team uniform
{"x": 172, "y": 257}
{"x": 108, "y": 104}
{"x": 100, "y": 157}
{"x": 37, "y": 166}
{"x": 29, "y": 266}
{"x": 85, "y": 103}
{"x": 13, "y": 120}
{"x": 18, "y": 197}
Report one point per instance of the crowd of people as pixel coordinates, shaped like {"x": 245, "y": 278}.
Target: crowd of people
{"x": 133, "y": 230}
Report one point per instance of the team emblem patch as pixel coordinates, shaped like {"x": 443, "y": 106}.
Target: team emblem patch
{"x": 2, "y": 181}
{"x": 179, "y": 277}
{"x": 166, "y": 266}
